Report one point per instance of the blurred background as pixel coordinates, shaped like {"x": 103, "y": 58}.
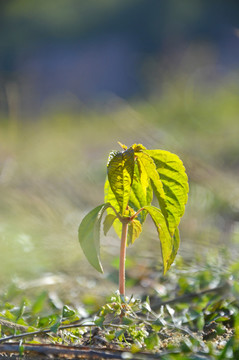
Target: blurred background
{"x": 78, "y": 76}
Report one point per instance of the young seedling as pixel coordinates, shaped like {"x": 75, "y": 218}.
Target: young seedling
{"x": 133, "y": 176}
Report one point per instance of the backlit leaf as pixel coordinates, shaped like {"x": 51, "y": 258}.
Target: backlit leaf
{"x": 148, "y": 166}
{"x": 175, "y": 244}
{"x": 164, "y": 236}
{"x": 134, "y": 230}
{"x": 137, "y": 200}
{"x": 139, "y": 197}
{"x": 108, "y": 222}
{"x": 89, "y": 235}
{"x": 143, "y": 176}
{"x": 110, "y": 198}
{"x": 120, "y": 171}
{"x": 175, "y": 184}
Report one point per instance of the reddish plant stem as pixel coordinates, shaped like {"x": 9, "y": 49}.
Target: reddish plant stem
{"x": 122, "y": 257}
{"x": 136, "y": 214}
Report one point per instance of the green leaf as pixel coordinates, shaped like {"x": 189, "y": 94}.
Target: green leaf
{"x": 138, "y": 196}
{"x": 120, "y": 171}
{"x": 164, "y": 236}
{"x": 142, "y": 192}
{"x": 175, "y": 246}
{"x": 134, "y": 230}
{"x": 110, "y": 198}
{"x": 147, "y": 165}
{"x": 54, "y": 328}
{"x": 138, "y": 147}
{"x": 175, "y": 184}
{"x": 99, "y": 321}
{"x": 127, "y": 321}
{"x": 46, "y": 321}
{"x": 89, "y": 235}
{"x": 39, "y": 302}
{"x": 143, "y": 175}
{"x": 137, "y": 201}
{"x": 67, "y": 312}
{"x": 9, "y": 316}
{"x": 108, "y": 222}
{"x": 152, "y": 341}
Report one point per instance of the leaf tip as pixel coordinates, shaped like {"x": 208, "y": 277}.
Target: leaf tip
{"x": 124, "y": 147}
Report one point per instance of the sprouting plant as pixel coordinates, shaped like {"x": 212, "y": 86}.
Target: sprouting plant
{"x": 133, "y": 176}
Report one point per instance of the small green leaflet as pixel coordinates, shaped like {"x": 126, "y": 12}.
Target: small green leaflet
{"x": 134, "y": 231}
{"x": 120, "y": 171}
{"x": 67, "y": 312}
{"x": 89, "y": 235}
{"x": 54, "y": 328}
{"x": 152, "y": 341}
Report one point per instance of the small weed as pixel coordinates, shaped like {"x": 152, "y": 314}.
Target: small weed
{"x": 133, "y": 176}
